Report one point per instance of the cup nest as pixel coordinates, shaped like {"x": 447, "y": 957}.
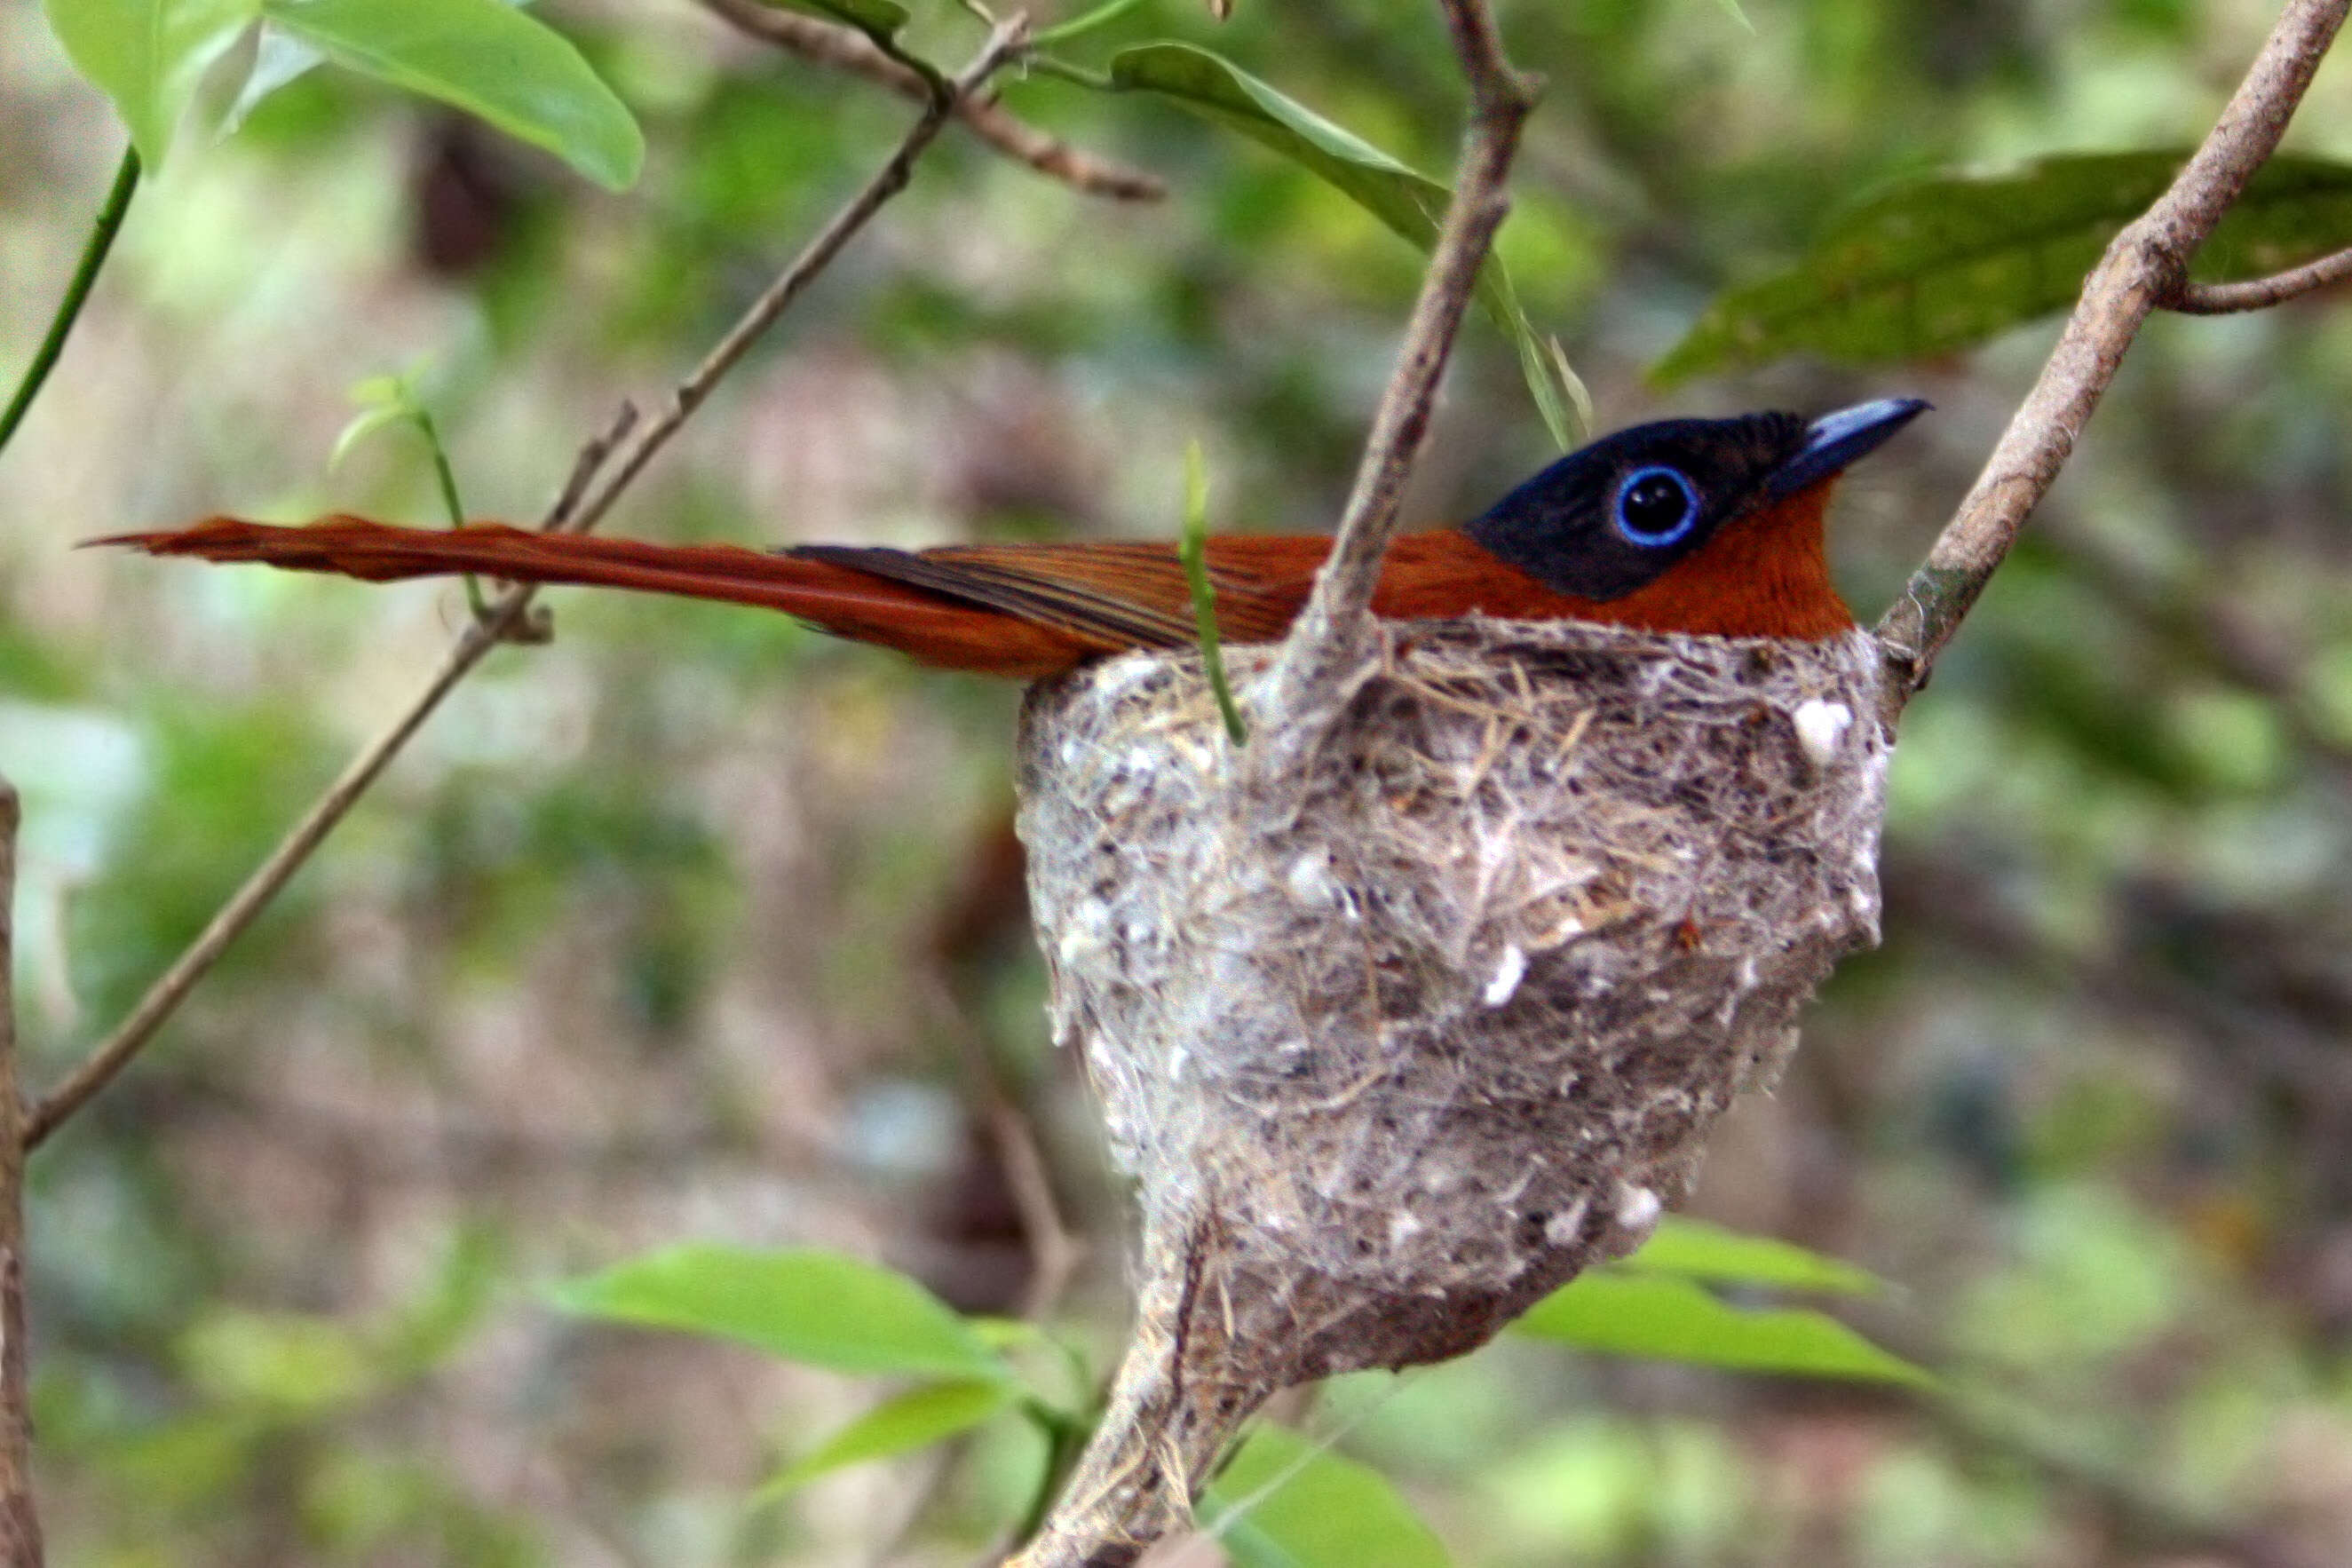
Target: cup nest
{"x": 1396, "y": 1045}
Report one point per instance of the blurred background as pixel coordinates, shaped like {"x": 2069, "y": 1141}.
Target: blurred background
{"x": 694, "y": 923}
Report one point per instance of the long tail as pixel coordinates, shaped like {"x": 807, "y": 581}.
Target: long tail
{"x": 843, "y": 600}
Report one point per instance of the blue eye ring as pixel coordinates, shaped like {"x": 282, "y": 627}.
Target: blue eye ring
{"x": 1655, "y": 538}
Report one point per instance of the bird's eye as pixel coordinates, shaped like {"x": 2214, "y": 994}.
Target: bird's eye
{"x": 1655, "y": 506}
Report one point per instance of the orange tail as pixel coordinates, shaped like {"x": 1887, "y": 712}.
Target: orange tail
{"x": 932, "y": 628}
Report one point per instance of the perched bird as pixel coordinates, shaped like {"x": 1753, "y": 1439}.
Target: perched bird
{"x": 1706, "y": 526}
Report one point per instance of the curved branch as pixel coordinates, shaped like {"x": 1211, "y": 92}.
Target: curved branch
{"x": 2140, "y": 273}
{"x": 2261, "y": 293}
{"x": 839, "y": 49}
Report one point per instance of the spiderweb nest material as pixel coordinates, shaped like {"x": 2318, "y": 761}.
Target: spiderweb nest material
{"x": 1395, "y": 1047}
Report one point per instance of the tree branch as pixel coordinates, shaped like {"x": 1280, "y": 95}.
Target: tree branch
{"x": 20, "y": 1527}
{"x": 2260, "y": 293}
{"x": 841, "y": 49}
{"x": 2141, "y": 272}
{"x": 572, "y": 513}
{"x": 1329, "y": 632}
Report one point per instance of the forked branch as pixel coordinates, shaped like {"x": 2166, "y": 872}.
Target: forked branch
{"x": 2261, "y": 293}
{"x": 839, "y": 49}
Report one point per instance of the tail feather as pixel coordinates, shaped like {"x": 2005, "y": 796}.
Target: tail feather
{"x": 931, "y": 626}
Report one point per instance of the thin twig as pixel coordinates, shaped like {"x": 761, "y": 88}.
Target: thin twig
{"x": 576, "y": 510}
{"x": 2261, "y": 293}
{"x": 1002, "y": 45}
{"x": 1330, "y": 632}
{"x": 2140, "y": 272}
{"x": 20, "y": 1526}
{"x": 68, "y": 311}
{"x": 842, "y": 49}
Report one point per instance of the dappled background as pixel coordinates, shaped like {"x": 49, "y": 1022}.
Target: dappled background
{"x": 694, "y": 923}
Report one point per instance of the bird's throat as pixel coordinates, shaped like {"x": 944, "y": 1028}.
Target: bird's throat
{"x": 1765, "y": 575}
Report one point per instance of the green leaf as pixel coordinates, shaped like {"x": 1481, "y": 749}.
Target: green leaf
{"x": 1085, "y": 22}
{"x": 1408, "y": 202}
{"x": 880, "y": 20}
{"x": 148, "y": 56}
{"x": 1658, "y": 1315}
{"x": 1285, "y": 1503}
{"x": 483, "y": 56}
{"x": 278, "y": 61}
{"x": 801, "y": 1303}
{"x": 915, "y": 1419}
{"x": 1938, "y": 264}
{"x": 1697, "y": 1250}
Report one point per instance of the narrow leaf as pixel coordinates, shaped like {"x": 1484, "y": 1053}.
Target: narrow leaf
{"x": 1191, "y": 551}
{"x": 801, "y": 1303}
{"x": 483, "y": 56}
{"x": 1408, "y": 201}
{"x": 147, "y": 56}
{"x": 1697, "y": 1250}
{"x": 1660, "y": 1316}
{"x": 880, "y": 20}
{"x": 365, "y": 424}
{"x": 1085, "y": 22}
{"x": 1285, "y": 1503}
{"x": 1934, "y": 265}
{"x": 915, "y": 1419}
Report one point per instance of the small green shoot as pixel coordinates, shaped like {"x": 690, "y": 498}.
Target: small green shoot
{"x": 389, "y": 400}
{"x": 1193, "y": 553}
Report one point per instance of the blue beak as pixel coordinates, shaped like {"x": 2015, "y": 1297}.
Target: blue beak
{"x": 1835, "y": 440}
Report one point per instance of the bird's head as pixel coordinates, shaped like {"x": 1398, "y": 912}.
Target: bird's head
{"x": 1693, "y": 524}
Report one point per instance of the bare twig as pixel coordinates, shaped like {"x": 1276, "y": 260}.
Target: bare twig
{"x": 20, "y": 1527}
{"x": 1330, "y": 630}
{"x": 2261, "y": 293}
{"x": 576, "y": 510}
{"x": 841, "y": 49}
{"x": 779, "y": 295}
{"x": 2141, "y": 271}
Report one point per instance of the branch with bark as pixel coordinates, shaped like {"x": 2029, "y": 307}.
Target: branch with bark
{"x": 1329, "y": 635}
{"x": 2143, "y": 270}
{"x": 822, "y": 43}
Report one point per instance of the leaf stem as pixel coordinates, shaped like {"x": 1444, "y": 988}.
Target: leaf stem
{"x": 93, "y": 257}
{"x": 1042, "y": 64}
{"x": 448, "y": 479}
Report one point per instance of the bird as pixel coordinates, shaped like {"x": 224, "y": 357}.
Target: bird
{"x": 1703, "y": 527}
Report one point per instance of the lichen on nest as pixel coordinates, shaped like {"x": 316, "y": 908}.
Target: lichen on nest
{"x": 1396, "y": 1046}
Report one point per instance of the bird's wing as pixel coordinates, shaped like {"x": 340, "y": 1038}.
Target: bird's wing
{"x": 1119, "y": 594}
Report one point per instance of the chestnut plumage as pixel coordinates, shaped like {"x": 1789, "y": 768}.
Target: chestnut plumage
{"x": 1712, "y": 527}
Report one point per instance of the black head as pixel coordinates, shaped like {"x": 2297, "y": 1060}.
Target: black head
{"x": 1609, "y": 518}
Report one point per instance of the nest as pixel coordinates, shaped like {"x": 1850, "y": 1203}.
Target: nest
{"x": 1396, "y": 1047}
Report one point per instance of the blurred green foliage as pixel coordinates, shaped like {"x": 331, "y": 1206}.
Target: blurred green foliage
{"x": 685, "y": 924}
